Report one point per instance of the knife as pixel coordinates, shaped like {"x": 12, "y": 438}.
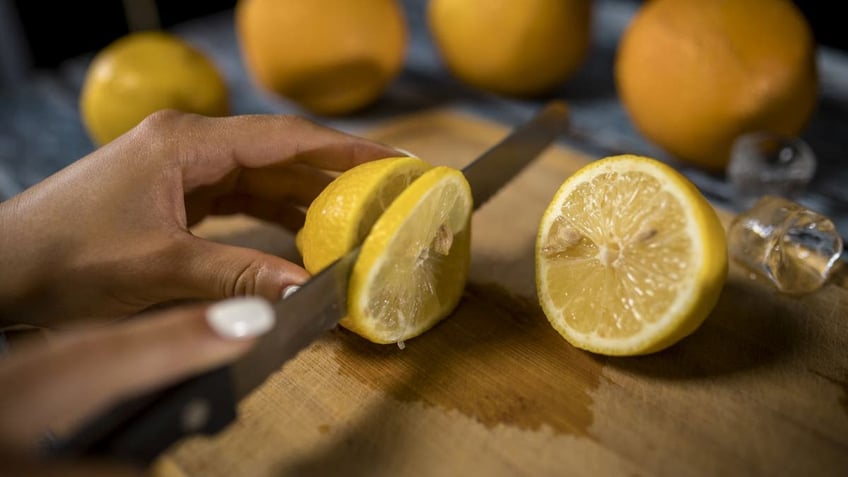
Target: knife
{"x": 140, "y": 429}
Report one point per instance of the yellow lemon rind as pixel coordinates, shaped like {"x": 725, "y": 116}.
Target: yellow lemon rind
{"x": 333, "y": 222}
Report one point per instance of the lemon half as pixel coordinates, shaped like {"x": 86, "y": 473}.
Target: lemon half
{"x": 413, "y": 223}
{"x": 413, "y": 266}
{"x": 341, "y": 216}
{"x": 630, "y": 257}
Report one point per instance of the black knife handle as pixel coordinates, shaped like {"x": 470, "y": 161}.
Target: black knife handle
{"x": 137, "y": 431}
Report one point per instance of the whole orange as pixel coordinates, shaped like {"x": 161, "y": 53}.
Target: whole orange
{"x": 331, "y": 57}
{"x": 695, "y": 74}
{"x": 517, "y": 48}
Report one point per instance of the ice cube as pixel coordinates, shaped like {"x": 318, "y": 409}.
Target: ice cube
{"x": 764, "y": 163}
{"x": 791, "y": 245}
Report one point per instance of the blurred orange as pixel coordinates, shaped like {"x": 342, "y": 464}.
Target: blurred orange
{"x": 695, "y": 74}
{"x": 511, "y": 47}
{"x": 331, "y": 57}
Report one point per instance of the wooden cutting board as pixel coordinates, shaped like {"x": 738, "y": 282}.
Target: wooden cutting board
{"x": 760, "y": 389}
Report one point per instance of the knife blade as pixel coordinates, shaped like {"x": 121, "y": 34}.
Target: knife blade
{"x": 502, "y": 162}
{"x": 140, "y": 429}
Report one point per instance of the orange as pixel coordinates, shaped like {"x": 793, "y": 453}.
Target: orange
{"x": 331, "y": 57}
{"x": 511, "y": 47}
{"x": 695, "y": 74}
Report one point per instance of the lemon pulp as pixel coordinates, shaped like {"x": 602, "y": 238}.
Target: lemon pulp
{"x": 413, "y": 266}
{"x": 630, "y": 257}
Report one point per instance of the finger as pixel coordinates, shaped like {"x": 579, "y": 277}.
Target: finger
{"x": 207, "y": 269}
{"x": 60, "y": 385}
{"x": 286, "y": 215}
{"x": 298, "y": 182}
{"x": 273, "y": 194}
{"x": 254, "y": 141}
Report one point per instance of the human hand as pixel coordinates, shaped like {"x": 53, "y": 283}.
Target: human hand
{"x": 56, "y": 386}
{"x": 109, "y": 235}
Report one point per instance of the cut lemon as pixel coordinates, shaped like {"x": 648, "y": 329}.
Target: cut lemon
{"x": 630, "y": 257}
{"x": 343, "y": 213}
{"x": 413, "y": 265}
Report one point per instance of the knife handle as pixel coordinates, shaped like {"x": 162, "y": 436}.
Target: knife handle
{"x": 138, "y": 430}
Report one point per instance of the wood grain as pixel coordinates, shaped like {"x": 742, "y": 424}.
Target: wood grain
{"x": 760, "y": 389}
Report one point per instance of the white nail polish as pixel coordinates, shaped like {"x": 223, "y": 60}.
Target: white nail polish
{"x": 240, "y": 318}
{"x": 289, "y": 290}
{"x": 406, "y": 153}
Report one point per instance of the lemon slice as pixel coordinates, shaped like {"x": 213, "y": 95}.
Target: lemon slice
{"x": 630, "y": 257}
{"x": 343, "y": 213}
{"x": 413, "y": 265}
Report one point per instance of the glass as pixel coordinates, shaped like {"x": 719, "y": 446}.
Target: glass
{"x": 794, "y": 247}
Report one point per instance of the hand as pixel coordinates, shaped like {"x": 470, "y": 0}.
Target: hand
{"x": 59, "y": 385}
{"x": 109, "y": 235}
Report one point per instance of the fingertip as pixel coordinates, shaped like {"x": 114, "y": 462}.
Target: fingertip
{"x": 404, "y": 152}
{"x": 215, "y": 270}
{"x": 241, "y": 318}
{"x": 289, "y": 290}
{"x": 292, "y": 278}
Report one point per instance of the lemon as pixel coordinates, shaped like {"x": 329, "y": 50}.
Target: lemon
{"x": 413, "y": 265}
{"x": 341, "y": 216}
{"x": 412, "y": 221}
{"x": 143, "y": 72}
{"x": 693, "y": 75}
{"x": 330, "y": 57}
{"x": 630, "y": 257}
{"x": 518, "y": 48}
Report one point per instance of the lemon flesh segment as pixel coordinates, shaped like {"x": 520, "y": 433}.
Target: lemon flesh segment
{"x": 413, "y": 265}
{"x": 341, "y": 216}
{"x": 630, "y": 257}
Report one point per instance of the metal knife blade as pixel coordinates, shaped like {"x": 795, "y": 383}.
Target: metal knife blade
{"x": 142, "y": 428}
{"x": 500, "y": 164}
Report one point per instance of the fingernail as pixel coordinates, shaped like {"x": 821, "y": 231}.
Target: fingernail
{"x": 241, "y": 318}
{"x": 406, "y": 153}
{"x": 289, "y": 290}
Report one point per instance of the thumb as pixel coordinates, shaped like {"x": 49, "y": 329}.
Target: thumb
{"x": 214, "y": 270}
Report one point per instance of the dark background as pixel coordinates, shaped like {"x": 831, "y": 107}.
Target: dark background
{"x": 56, "y": 30}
